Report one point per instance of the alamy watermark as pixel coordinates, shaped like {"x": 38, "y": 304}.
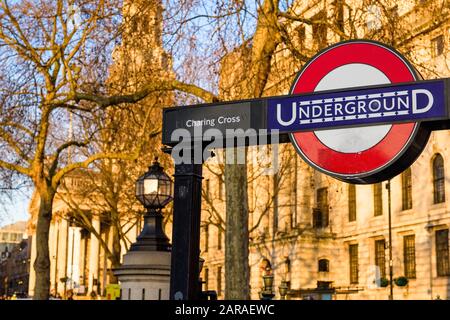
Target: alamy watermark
{"x": 198, "y": 146}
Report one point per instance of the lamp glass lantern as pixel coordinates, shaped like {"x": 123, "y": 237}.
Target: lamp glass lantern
{"x": 154, "y": 191}
{"x": 154, "y": 188}
{"x": 283, "y": 289}
{"x": 268, "y": 280}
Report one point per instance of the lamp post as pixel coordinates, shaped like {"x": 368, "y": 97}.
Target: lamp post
{"x": 429, "y": 229}
{"x": 154, "y": 191}
{"x": 145, "y": 271}
{"x": 283, "y": 288}
{"x": 267, "y": 292}
{"x": 391, "y": 263}
{"x": 201, "y": 262}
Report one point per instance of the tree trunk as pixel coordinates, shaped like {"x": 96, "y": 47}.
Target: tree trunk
{"x": 237, "y": 270}
{"x": 115, "y": 254}
{"x": 42, "y": 262}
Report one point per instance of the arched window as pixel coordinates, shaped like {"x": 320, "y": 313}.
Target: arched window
{"x": 320, "y": 214}
{"x": 324, "y": 265}
{"x": 406, "y": 189}
{"x": 438, "y": 179}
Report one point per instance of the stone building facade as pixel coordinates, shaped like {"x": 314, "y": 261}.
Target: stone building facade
{"x": 14, "y": 259}
{"x": 328, "y": 239}
{"x": 15, "y": 270}
{"x": 11, "y": 235}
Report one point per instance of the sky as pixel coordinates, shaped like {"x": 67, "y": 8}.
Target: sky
{"x": 15, "y": 208}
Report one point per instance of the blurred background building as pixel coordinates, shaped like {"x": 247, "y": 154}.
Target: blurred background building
{"x": 14, "y": 259}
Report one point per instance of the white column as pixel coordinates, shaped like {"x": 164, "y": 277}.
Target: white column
{"x": 73, "y": 257}
{"x": 82, "y": 255}
{"x": 62, "y": 258}
{"x": 76, "y": 257}
{"x": 93, "y": 257}
{"x": 53, "y": 243}
{"x": 70, "y": 241}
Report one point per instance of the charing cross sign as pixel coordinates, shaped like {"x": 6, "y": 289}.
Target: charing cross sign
{"x": 358, "y": 111}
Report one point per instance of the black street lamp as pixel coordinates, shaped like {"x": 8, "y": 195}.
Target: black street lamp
{"x": 283, "y": 290}
{"x": 154, "y": 191}
{"x": 391, "y": 265}
{"x": 267, "y": 293}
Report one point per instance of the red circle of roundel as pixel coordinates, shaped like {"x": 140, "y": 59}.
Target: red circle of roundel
{"x": 385, "y": 151}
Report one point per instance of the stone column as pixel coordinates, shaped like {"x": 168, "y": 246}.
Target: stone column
{"x": 81, "y": 262}
{"x": 53, "y": 243}
{"x": 145, "y": 275}
{"x": 145, "y": 271}
{"x": 93, "y": 257}
{"x": 73, "y": 270}
{"x": 61, "y": 259}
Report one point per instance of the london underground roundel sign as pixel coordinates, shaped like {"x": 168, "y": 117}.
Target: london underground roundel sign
{"x": 365, "y": 154}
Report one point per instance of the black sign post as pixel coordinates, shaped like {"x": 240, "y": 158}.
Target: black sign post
{"x": 184, "y": 283}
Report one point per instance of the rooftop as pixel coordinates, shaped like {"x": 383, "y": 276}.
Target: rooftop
{"x": 19, "y": 226}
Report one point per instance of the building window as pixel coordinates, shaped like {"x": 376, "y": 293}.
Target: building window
{"x": 406, "y": 189}
{"x": 320, "y": 29}
{"x": 219, "y": 280}
{"x": 317, "y": 218}
{"x": 219, "y": 238}
{"x": 380, "y": 257}
{"x": 438, "y": 179}
{"x": 324, "y": 265}
{"x": 442, "y": 259}
{"x": 351, "y": 202}
{"x": 353, "y": 253}
{"x": 377, "y": 199}
{"x": 206, "y": 228}
{"x": 438, "y": 45}
{"x": 206, "y": 278}
{"x": 287, "y": 267}
{"x": 409, "y": 256}
{"x": 320, "y": 214}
